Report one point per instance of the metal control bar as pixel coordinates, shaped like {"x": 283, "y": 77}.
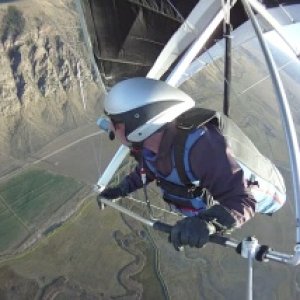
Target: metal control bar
{"x": 259, "y": 252}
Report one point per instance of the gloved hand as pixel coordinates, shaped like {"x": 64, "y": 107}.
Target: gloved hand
{"x": 195, "y": 231}
{"x": 112, "y": 193}
{"x": 191, "y": 231}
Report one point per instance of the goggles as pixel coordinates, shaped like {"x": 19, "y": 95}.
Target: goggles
{"x": 115, "y": 119}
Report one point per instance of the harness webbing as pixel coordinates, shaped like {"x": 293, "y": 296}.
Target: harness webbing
{"x": 179, "y": 147}
{"x": 187, "y": 191}
{"x": 185, "y": 124}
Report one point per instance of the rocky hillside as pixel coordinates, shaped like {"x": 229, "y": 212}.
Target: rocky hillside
{"x": 43, "y": 64}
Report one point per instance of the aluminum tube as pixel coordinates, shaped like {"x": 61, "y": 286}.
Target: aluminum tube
{"x": 250, "y": 277}
{"x": 273, "y": 22}
{"x": 279, "y": 257}
{"x": 174, "y": 78}
{"x": 271, "y": 255}
{"x": 112, "y": 167}
{"x": 183, "y": 37}
{"x": 286, "y": 116}
{"x": 232, "y": 244}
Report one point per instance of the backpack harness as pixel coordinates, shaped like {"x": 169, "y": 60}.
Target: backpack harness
{"x": 190, "y": 188}
{"x": 257, "y": 168}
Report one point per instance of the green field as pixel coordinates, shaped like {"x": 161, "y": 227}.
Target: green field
{"x": 30, "y": 199}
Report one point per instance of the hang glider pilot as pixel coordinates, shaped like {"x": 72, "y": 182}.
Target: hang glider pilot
{"x": 184, "y": 150}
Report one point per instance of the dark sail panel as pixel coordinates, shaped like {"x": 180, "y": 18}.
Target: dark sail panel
{"x": 128, "y": 35}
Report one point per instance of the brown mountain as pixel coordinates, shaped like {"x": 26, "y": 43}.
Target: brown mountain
{"x": 43, "y": 64}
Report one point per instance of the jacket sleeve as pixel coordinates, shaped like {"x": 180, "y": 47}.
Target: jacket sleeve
{"x": 212, "y": 163}
{"x": 133, "y": 182}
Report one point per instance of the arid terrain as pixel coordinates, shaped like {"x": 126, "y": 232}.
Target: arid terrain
{"x": 55, "y": 243}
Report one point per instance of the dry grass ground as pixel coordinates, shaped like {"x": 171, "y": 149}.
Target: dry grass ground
{"x": 83, "y": 154}
{"x": 85, "y": 253}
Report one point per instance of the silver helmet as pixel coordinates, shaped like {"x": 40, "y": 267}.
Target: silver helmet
{"x": 145, "y": 105}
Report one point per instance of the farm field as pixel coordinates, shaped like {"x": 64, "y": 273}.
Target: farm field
{"x": 29, "y": 200}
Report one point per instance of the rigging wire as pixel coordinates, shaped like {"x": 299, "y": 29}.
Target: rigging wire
{"x": 154, "y": 206}
{"x": 97, "y": 154}
{"x": 39, "y": 160}
{"x": 163, "y": 9}
{"x": 181, "y": 17}
{"x": 264, "y": 78}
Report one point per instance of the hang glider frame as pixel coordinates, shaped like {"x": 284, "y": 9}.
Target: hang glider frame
{"x": 286, "y": 116}
{"x": 249, "y": 247}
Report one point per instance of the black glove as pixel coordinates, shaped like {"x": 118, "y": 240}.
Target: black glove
{"x": 113, "y": 193}
{"x": 195, "y": 231}
{"x": 191, "y": 231}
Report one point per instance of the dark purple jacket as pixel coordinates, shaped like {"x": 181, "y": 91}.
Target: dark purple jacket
{"x": 211, "y": 162}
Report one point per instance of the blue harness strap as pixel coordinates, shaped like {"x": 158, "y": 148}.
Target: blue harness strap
{"x": 186, "y": 197}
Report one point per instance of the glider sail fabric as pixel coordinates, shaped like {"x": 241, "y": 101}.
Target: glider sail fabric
{"x": 127, "y": 36}
{"x": 181, "y": 44}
